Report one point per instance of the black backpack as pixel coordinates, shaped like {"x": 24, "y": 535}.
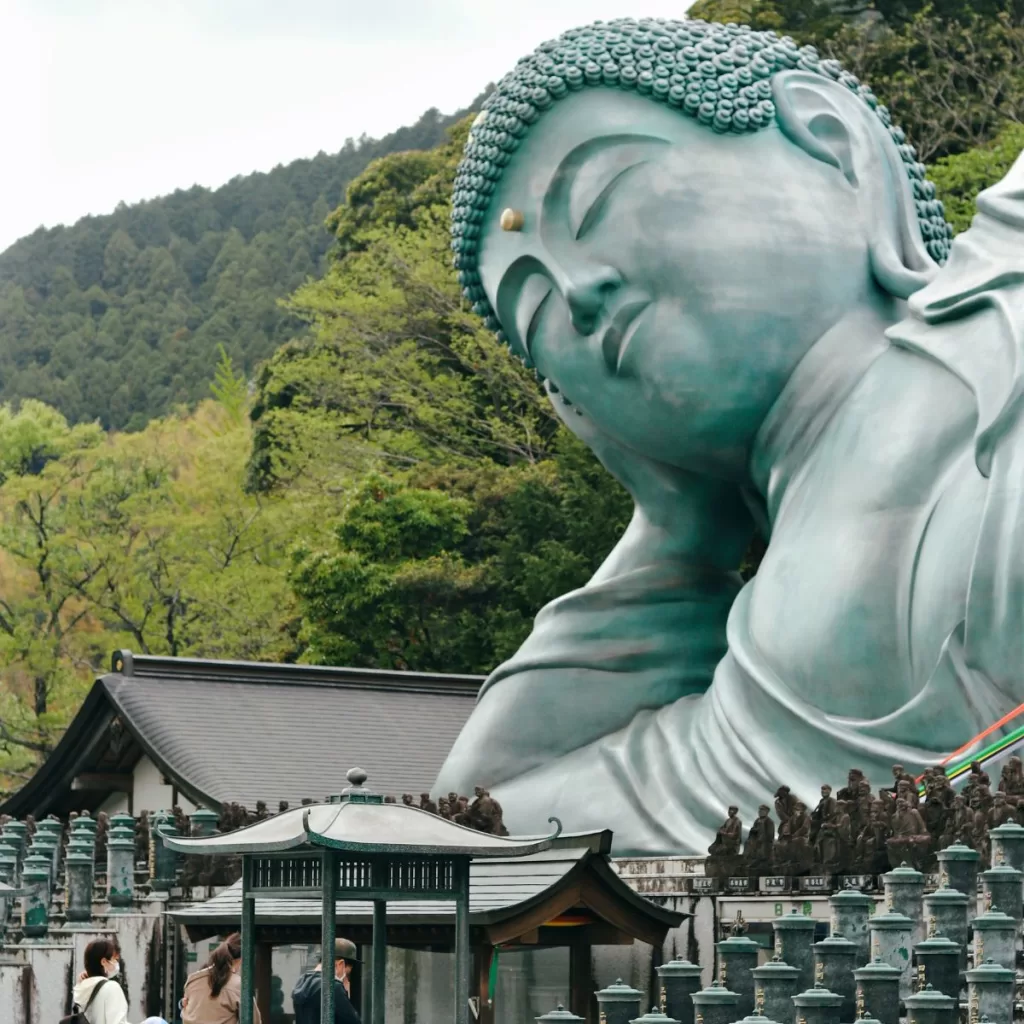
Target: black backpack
{"x": 78, "y": 1015}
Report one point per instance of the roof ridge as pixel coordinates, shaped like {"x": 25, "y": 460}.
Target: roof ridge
{"x": 125, "y": 663}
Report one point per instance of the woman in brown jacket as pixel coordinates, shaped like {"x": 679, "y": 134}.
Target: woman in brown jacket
{"x": 214, "y": 994}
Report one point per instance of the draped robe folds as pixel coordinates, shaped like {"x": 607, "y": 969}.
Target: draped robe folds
{"x": 663, "y": 774}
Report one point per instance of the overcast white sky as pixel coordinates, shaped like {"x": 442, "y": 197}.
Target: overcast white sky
{"x": 109, "y": 100}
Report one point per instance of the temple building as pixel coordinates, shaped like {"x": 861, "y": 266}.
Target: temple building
{"x": 156, "y": 733}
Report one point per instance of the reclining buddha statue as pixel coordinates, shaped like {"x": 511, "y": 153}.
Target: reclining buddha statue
{"x": 736, "y": 283}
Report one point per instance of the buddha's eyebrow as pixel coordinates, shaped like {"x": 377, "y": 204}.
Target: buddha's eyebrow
{"x": 557, "y": 197}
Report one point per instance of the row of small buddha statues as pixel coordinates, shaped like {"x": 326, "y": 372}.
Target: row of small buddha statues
{"x": 861, "y": 831}
{"x": 483, "y": 814}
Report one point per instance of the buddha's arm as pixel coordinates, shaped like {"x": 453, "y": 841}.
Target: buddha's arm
{"x": 648, "y": 629}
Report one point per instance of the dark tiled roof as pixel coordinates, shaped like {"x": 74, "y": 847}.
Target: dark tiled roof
{"x": 243, "y": 731}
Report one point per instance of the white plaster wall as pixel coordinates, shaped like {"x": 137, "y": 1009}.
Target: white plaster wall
{"x": 15, "y": 981}
{"x": 149, "y": 793}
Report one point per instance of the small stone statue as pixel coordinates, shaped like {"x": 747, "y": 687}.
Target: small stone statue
{"x": 407, "y": 800}
{"x": 899, "y": 774}
{"x": 443, "y": 808}
{"x": 1001, "y": 811}
{"x": 758, "y": 851}
{"x": 959, "y": 824}
{"x": 460, "y": 813}
{"x": 282, "y": 806}
{"x": 486, "y": 814}
{"x": 724, "y": 858}
{"x": 978, "y": 778}
{"x": 910, "y": 841}
{"x": 793, "y": 847}
{"x": 979, "y": 826}
{"x": 852, "y": 789}
{"x": 823, "y": 813}
{"x": 785, "y": 804}
{"x": 390, "y": 800}
{"x": 426, "y": 804}
{"x": 872, "y": 856}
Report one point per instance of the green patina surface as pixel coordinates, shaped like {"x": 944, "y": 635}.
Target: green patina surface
{"x": 730, "y": 272}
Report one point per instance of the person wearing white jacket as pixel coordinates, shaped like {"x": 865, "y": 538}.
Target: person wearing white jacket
{"x": 97, "y": 994}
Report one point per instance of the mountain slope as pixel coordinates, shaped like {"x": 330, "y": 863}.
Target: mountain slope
{"x": 120, "y": 317}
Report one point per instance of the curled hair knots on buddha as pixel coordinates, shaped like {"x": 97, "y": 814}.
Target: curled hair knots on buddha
{"x": 720, "y": 75}
{"x": 222, "y": 962}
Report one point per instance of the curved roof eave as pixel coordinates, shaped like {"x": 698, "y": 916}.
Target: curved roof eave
{"x": 368, "y": 828}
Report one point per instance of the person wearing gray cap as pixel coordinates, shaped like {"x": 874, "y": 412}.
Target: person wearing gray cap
{"x": 306, "y": 994}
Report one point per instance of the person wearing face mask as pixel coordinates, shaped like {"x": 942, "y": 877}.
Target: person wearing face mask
{"x": 98, "y": 994}
{"x": 214, "y": 994}
{"x": 306, "y": 994}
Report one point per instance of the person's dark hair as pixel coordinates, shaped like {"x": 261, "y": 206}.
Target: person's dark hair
{"x": 95, "y": 953}
{"x": 222, "y": 959}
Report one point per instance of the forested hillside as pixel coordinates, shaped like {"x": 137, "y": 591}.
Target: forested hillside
{"x": 395, "y": 491}
{"x": 118, "y": 318}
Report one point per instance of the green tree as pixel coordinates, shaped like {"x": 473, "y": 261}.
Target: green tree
{"x": 960, "y": 178}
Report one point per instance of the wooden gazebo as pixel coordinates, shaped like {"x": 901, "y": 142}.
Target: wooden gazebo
{"x": 357, "y": 847}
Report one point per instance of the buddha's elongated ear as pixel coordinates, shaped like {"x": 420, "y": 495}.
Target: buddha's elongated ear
{"x": 834, "y": 125}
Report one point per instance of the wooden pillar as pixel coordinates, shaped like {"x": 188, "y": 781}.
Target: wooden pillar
{"x": 581, "y": 984}
{"x": 263, "y": 973}
{"x": 248, "y": 943}
{"x": 482, "y": 958}
{"x": 378, "y": 1000}
{"x": 462, "y": 942}
{"x": 328, "y": 908}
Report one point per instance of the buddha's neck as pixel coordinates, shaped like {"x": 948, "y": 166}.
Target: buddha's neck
{"x": 823, "y": 379}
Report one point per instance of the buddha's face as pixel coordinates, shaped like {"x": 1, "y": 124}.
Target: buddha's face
{"x": 667, "y": 279}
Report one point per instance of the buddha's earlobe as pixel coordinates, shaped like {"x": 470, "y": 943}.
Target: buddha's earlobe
{"x": 831, "y": 124}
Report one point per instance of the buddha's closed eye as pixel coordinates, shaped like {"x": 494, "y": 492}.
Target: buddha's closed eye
{"x": 596, "y": 206}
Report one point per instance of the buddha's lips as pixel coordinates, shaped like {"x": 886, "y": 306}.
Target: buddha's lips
{"x": 620, "y": 331}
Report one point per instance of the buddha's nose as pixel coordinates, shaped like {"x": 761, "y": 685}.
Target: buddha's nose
{"x": 587, "y": 290}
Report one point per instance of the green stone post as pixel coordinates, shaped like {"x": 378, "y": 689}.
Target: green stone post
{"x": 715, "y": 1005}
{"x": 1008, "y": 845}
{"x": 948, "y": 913}
{"x": 835, "y": 960}
{"x": 818, "y": 1006}
{"x": 245, "y": 1011}
{"x": 380, "y": 961}
{"x": 938, "y": 965}
{"x": 851, "y": 911}
{"x": 878, "y": 991}
{"x": 775, "y": 984}
{"x": 163, "y": 862}
{"x": 904, "y": 890}
{"x": 8, "y": 863}
{"x": 204, "y": 822}
{"x": 1001, "y": 886}
{"x": 35, "y": 904}
{"x": 84, "y": 823}
{"x": 737, "y": 957}
{"x": 328, "y": 912}
{"x": 891, "y": 939}
{"x": 16, "y": 834}
{"x": 121, "y": 867}
{"x": 78, "y": 873}
{"x": 679, "y": 980}
{"x": 995, "y": 939}
{"x": 561, "y": 1016}
{"x": 793, "y": 938}
{"x": 931, "y": 1007}
{"x": 654, "y": 1017}
{"x": 47, "y": 845}
{"x": 990, "y": 993}
{"x": 958, "y": 868}
{"x": 619, "y": 1003}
